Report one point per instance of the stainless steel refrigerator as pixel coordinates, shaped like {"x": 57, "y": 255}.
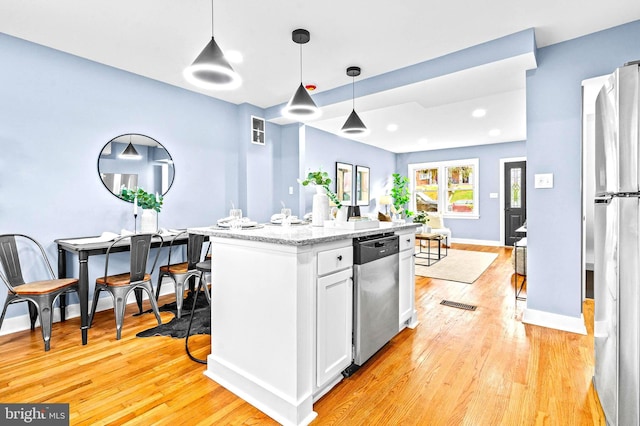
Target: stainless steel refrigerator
{"x": 617, "y": 247}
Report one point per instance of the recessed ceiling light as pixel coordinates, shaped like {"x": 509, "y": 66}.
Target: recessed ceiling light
{"x": 480, "y": 112}
{"x": 494, "y": 132}
{"x": 234, "y": 56}
{"x": 392, "y": 127}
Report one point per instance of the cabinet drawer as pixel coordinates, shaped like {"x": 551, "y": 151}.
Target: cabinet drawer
{"x": 335, "y": 260}
{"x": 407, "y": 241}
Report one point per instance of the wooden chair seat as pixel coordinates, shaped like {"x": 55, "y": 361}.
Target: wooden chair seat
{"x": 44, "y": 286}
{"x": 119, "y": 280}
{"x": 176, "y": 268}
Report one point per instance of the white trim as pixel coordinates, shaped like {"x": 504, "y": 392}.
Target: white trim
{"x": 442, "y": 189}
{"x": 476, "y": 242}
{"x": 555, "y": 321}
{"x": 502, "y": 194}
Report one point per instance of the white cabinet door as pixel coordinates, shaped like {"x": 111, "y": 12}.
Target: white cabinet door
{"x": 334, "y": 325}
{"x": 407, "y": 286}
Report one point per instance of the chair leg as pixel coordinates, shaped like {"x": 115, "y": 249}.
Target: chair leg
{"x": 94, "y": 305}
{"x": 119, "y": 305}
{"x": 33, "y": 314}
{"x": 205, "y": 288}
{"x": 154, "y": 305}
{"x": 160, "y": 277}
{"x": 4, "y": 310}
{"x": 44, "y": 308}
{"x": 180, "y": 281}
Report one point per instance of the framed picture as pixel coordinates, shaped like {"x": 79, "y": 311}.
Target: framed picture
{"x": 257, "y": 130}
{"x": 362, "y": 186}
{"x": 344, "y": 183}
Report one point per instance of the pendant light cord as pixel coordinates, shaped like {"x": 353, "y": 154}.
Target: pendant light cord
{"x": 300, "y": 63}
{"x": 353, "y": 93}
{"x": 211, "y": 18}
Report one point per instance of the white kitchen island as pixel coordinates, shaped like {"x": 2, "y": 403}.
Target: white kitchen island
{"x": 281, "y": 312}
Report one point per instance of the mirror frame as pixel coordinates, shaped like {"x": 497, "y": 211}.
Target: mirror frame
{"x": 119, "y": 139}
{"x": 363, "y": 187}
{"x": 344, "y": 183}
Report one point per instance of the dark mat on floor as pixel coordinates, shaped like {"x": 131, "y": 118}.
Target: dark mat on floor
{"x": 177, "y": 327}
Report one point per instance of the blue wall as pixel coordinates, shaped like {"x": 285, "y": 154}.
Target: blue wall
{"x": 323, "y": 150}
{"x": 57, "y": 111}
{"x": 487, "y": 227}
{"x": 554, "y": 102}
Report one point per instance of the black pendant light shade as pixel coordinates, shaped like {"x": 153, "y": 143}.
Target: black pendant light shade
{"x": 301, "y": 107}
{"x": 211, "y": 70}
{"x": 354, "y": 125}
{"x": 130, "y": 153}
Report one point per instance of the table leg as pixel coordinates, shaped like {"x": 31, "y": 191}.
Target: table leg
{"x": 62, "y": 273}
{"x": 83, "y": 294}
{"x": 138, "y": 293}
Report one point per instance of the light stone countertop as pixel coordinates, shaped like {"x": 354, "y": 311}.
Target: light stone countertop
{"x": 298, "y": 235}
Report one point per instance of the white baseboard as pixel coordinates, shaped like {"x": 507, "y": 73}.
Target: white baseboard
{"x": 477, "y": 242}
{"x": 22, "y": 322}
{"x": 555, "y": 321}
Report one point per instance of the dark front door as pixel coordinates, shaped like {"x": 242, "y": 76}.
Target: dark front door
{"x": 515, "y": 207}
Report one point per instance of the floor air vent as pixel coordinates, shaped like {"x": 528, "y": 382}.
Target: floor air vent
{"x": 458, "y": 305}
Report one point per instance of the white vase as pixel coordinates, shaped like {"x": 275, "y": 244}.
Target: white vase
{"x": 320, "y": 207}
{"x": 149, "y": 221}
{"x": 342, "y": 214}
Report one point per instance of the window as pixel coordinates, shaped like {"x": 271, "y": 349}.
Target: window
{"x": 448, "y": 187}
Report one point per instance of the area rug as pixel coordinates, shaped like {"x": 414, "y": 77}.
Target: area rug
{"x": 460, "y": 265}
{"x": 177, "y": 327}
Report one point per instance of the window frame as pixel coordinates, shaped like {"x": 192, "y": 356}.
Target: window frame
{"x": 442, "y": 167}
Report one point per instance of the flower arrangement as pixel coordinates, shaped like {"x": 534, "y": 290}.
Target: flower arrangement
{"x": 320, "y": 178}
{"x": 142, "y": 198}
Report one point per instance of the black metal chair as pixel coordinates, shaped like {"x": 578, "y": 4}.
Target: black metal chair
{"x": 121, "y": 285}
{"x": 180, "y": 273}
{"x": 41, "y": 294}
{"x": 201, "y": 269}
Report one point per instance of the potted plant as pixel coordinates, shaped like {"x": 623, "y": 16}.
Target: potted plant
{"x": 400, "y": 195}
{"x": 321, "y": 181}
{"x": 142, "y": 198}
{"x": 150, "y": 204}
{"x": 423, "y": 218}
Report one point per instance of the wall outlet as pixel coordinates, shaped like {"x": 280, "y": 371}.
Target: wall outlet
{"x": 291, "y": 190}
{"x": 544, "y": 180}
{"x": 493, "y": 195}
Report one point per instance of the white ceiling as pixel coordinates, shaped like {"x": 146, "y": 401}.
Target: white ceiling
{"x": 159, "y": 38}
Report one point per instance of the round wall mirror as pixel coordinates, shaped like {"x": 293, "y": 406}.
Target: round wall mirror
{"x": 135, "y": 161}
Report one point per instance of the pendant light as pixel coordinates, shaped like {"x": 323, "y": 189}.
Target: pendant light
{"x": 211, "y": 70}
{"x": 130, "y": 152}
{"x": 354, "y": 125}
{"x": 301, "y": 107}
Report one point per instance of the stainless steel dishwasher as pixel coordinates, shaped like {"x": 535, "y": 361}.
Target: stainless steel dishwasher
{"x": 376, "y": 295}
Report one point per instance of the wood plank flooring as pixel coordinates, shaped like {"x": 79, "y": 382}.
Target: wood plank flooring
{"x": 458, "y": 367}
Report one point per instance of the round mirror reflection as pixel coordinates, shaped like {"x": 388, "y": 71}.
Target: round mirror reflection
{"x": 135, "y": 161}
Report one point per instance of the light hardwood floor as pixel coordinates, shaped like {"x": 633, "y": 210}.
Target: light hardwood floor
{"x": 458, "y": 367}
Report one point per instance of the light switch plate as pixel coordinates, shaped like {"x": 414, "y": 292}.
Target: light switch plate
{"x": 543, "y": 180}
{"x": 493, "y": 195}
